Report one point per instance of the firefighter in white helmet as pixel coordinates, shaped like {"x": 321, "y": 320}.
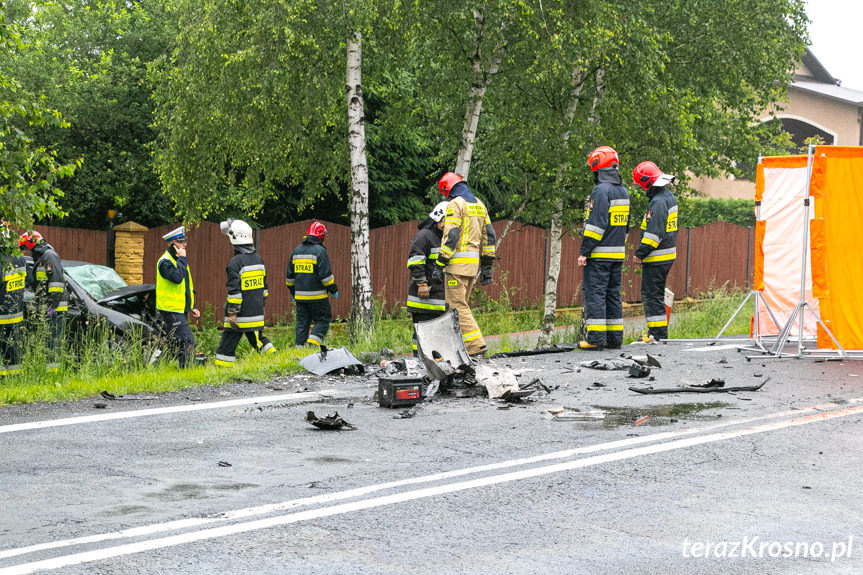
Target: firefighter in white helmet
{"x": 247, "y": 295}
{"x": 426, "y": 295}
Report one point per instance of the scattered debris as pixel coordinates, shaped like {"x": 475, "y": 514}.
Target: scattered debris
{"x": 387, "y": 353}
{"x": 638, "y": 370}
{"x": 560, "y": 348}
{"x": 100, "y": 405}
{"x": 441, "y": 349}
{"x": 399, "y": 391}
{"x": 329, "y": 361}
{"x": 646, "y": 359}
{"x": 611, "y": 364}
{"x": 714, "y": 385}
{"x": 501, "y": 383}
{"x": 111, "y": 396}
{"x": 224, "y": 464}
{"x": 597, "y": 384}
{"x": 573, "y": 414}
{"x": 641, "y": 420}
{"x": 408, "y": 413}
{"x": 395, "y": 366}
{"x": 330, "y": 422}
{"x": 723, "y": 360}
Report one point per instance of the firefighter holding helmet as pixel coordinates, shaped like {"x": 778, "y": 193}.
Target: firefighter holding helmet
{"x": 658, "y": 247}
{"x": 468, "y": 247}
{"x": 50, "y": 289}
{"x": 247, "y": 295}
{"x": 602, "y": 252}
{"x": 310, "y": 279}
{"x": 426, "y": 294}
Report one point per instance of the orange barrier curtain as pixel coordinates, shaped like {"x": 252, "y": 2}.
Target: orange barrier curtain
{"x": 780, "y": 188}
{"x": 836, "y": 234}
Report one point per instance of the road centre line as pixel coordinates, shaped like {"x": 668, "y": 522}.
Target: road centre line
{"x": 212, "y": 533}
{"x": 358, "y": 492}
{"x": 287, "y": 397}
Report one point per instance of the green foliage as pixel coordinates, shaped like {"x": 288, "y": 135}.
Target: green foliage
{"x": 696, "y": 212}
{"x": 29, "y": 172}
{"x": 89, "y": 60}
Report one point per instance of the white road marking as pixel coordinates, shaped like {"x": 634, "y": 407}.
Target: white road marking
{"x": 358, "y": 492}
{"x": 212, "y": 533}
{"x": 287, "y": 398}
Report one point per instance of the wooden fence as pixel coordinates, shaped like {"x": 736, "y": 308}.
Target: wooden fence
{"x": 708, "y": 257}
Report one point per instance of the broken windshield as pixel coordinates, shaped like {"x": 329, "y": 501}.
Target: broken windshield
{"x": 97, "y": 281}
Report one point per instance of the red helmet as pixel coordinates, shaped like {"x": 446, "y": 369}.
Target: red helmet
{"x": 602, "y": 158}
{"x": 447, "y": 181}
{"x": 318, "y": 230}
{"x": 29, "y": 240}
{"x": 648, "y": 174}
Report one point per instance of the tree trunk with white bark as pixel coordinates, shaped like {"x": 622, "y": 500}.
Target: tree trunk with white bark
{"x": 362, "y": 310}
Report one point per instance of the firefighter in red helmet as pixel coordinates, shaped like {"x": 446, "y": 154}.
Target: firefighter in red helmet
{"x": 602, "y": 252}
{"x": 310, "y": 279}
{"x": 467, "y": 248}
{"x": 50, "y": 290}
{"x": 658, "y": 247}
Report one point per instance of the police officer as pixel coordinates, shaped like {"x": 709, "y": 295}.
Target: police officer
{"x": 310, "y": 278}
{"x": 426, "y": 295}
{"x": 50, "y": 289}
{"x": 658, "y": 247}
{"x": 175, "y": 294}
{"x": 467, "y": 248}
{"x": 602, "y": 252}
{"x": 13, "y": 277}
{"x": 247, "y": 295}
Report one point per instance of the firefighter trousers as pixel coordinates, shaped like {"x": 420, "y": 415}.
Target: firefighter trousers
{"x": 420, "y": 317}
{"x": 10, "y": 348}
{"x": 603, "y": 307}
{"x": 458, "y": 290}
{"x": 315, "y": 312}
{"x": 178, "y": 336}
{"x": 653, "y": 277}
{"x": 225, "y": 355}
{"x": 57, "y": 327}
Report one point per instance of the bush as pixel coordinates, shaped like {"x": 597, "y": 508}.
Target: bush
{"x": 698, "y": 212}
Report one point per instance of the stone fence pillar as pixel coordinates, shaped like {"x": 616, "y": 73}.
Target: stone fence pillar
{"x": 129, "y": 252}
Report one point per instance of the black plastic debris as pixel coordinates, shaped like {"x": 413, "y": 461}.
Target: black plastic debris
{"x": 332, "y": 360}
{"x": 713, "y": 386}
{"x": 611, "y": 364}
{"x": 330, "y": 422}
{"x": 100, "y": 405}
{"x": 396, "y": 366}
{"x": 224, "y": 464}
{"x": 112, "y": 397}
{"x": 387, "y": 353}
{"x": 407, "y": 414}
{"x": 560, "y": 348}
{"x": 638, "y": 370}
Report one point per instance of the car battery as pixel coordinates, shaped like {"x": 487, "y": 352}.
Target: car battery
{"x": 399, "y": 391}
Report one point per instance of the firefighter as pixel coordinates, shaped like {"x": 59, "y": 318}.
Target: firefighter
{"x": 658, "y": 247}
{"x": 175, "y": 295}
{"x": 310, "y": 279}
{"x": 13, "y": 277}
{"x": 247, "y": 295}
{"x": 602, "y": 252}
{"x": 50, "y": 289}
{"x": 467, "y": 248}
{"x": 426, "y": 295}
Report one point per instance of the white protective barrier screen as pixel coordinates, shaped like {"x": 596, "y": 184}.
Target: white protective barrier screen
{"x": 781, "y": 186}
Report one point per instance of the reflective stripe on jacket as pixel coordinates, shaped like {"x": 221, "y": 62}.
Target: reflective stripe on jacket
{"x": 247, "y": 291}
{"x": 467, "y": 235}
{"x": 422, "y": 259}
{"x": 659, "y": 228}
{"x": 607, "y": 218}
{"x": 309, "y": 275}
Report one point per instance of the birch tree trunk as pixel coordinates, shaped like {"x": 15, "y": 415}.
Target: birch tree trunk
{"x": 579, "y": 75}
{"x": 362, "y": 311}
{"x": 482, "y": 80}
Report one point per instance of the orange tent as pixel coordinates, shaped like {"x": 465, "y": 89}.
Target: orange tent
{"x": 836, "y": 234}
{"x": 780, "y": 188}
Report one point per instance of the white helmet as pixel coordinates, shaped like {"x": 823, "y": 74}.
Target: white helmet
{"x": 238, "y": 231}
{"x": 438, "y": 212}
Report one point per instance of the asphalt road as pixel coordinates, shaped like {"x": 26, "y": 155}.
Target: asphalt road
{"x": 753, "y": 482}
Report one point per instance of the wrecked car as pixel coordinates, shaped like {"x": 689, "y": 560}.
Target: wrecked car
{"x": 96, "y": 291}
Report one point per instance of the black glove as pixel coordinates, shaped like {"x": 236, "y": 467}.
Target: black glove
{"x": 485, "y": 276}
{"x": 332, "y": 288}
{"x": 437, "y": 274}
